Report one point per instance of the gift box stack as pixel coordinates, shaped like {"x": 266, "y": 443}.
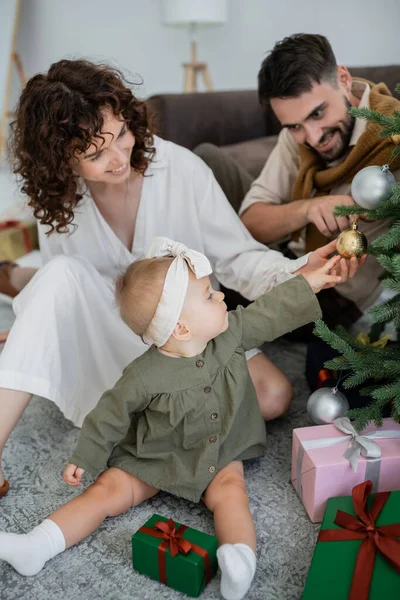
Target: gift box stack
{"x": 334, "y": 471}
{"x": 181, "y": 557}
{"x": 17, "y": 238}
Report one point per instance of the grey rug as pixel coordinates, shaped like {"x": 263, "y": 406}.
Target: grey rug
{"x": 100, "y": 567}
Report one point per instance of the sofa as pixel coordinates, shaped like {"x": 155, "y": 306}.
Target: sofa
{"x": 234, "y": 120}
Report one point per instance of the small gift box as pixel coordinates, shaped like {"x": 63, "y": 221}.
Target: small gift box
{"x": 17, "y": 238}
{"x": 357, "y": 556}
{"x": 181, "y": 557}
{"x": 329, "y": 460}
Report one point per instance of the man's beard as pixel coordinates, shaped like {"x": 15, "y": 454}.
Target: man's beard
{"x": 344, "y": 129}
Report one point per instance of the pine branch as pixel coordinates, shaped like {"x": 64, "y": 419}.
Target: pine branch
{"x": 390, "y": 264}
{"x": 396, "y": 152}
{"x": 363, "y": 416}
{"x": 389, "y": 353}
{"x": 387, "y": 209}
{"x": 367, "y": 391}
{"x": 384, "y": 313}
{"x": 378, "y": 252}
{"x": 365, "y": 368}
{"x": 391, "y": 284}
{"x": 386, "y": 393}
{"x": 390, "y": 125}
{"x": 337, "y": 364}
{"x": 395, "y": 261}
{"x": 344, "y": 211}
{"x": 334, "y": 340}
{"x": 396, "y": 409}
{"x": 389, "y": 240}
{"x": 357, "y": 378}
{"x": 372, "y": 115}
{"x": 376, "y": 369}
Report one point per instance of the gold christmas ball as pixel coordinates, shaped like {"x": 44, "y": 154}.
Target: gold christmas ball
{"x": 351, "y": 242}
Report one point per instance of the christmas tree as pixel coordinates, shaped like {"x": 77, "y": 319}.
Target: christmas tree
{"x": 365, "y": 361}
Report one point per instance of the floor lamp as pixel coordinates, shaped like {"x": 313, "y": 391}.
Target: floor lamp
{"x": 195, "y": 14}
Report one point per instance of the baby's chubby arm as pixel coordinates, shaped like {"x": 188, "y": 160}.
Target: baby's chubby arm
{"x": 106, "y": 425}
{"x": 285, "y": 308}
{"x": 324, "y": 277}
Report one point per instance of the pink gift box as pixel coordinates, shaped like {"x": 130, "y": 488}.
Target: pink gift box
{"x": 322, "y": 472}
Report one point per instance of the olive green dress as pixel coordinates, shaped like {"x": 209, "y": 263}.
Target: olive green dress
{"x": 175, "y": 422}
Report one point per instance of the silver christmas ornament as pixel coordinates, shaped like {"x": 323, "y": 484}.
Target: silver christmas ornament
{"x": 372, "y": 185}
{"x": 325, "y": 405}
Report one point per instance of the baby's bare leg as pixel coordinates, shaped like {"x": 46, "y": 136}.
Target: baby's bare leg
{"x": 273, "y": 388}
{"x": 112, "y": 494}
{"x": 227, "y": 498}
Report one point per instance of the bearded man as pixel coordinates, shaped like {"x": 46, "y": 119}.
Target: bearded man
{"x": 320, "y": 149}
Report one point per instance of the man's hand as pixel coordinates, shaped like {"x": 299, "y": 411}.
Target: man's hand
{"x": 73, "y": 475}
{"x": 344, "y": 268}
{"x": 320, "y": 212}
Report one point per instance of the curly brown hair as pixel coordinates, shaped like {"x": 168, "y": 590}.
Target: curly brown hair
{"x": 59, "y": 114}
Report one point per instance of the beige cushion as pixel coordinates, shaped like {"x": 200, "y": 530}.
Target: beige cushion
{"x": 253, "y": 154}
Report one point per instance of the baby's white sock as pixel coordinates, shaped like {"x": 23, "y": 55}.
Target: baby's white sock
{"x": 28, "y": 552}
{"x": 238, "y": 565}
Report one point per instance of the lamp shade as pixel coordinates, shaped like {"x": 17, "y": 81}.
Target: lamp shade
{"x": 199, "y": 12}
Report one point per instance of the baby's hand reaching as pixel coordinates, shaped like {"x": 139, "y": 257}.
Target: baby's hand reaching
{"x": 324, "y": 277}
{"x": 73, "y": 475}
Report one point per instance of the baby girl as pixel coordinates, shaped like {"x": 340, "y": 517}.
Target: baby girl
{"x": 184, "y": 416}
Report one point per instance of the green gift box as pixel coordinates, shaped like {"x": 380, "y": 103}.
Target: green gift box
{"x": 183, "y": 558}
{"x": 357, "y": 556}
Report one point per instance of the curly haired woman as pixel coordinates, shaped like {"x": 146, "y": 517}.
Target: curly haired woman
{"x": 102, "y": 186}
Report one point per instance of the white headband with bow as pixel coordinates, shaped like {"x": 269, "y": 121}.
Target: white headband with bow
{"x": 175, "y": 286}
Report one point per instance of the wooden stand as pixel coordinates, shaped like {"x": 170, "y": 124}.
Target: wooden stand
{"x": 14, "y": 59}
{"x": 191, "y": 70}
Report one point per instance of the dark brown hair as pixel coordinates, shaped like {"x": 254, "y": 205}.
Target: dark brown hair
{"x": 59, "y": 114}
{"x": 294, "y": 65}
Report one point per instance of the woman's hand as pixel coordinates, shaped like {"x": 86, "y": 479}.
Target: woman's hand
{"x": 324, "y": 277}
{"x": 73, "y": 475}
{"x": 345, "y": 268}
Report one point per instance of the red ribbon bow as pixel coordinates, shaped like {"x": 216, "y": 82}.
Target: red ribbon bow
{"x": 381, "y": 539}
{"x": 12, "y": 224}
{"x": 173, "y": 539}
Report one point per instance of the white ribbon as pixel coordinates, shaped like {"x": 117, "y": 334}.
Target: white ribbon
{"x": 175, "y": 286}
{"x": 359, "y": 445}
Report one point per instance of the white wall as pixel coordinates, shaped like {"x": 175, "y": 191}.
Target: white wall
{"x": 131, "y": 34}
{"x": 7, "y": 19}
{"x": 361, "y": 34}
